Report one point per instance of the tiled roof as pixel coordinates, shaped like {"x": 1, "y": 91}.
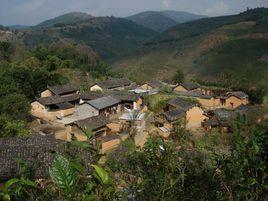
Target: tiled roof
{"x": 190, "y": 85}
{"x": 211, "y": 122}
{"x": 36, "y": 150}
{"x": 174, "y": 115}
{"x": 93, "y": 123}
{"x": 51, "y": 100}
{"x": 223, "y": 114}
{"x": 181, "y": 103}
{"x": 155, "y": 84}
{"x": 114, "y": 83}
{"x": 238, "y": 94}
{"x": 62, "y": 89}
{"x": 73, "y": 97}
{"x": 194, "y": 93}
{"x": 91, "y": 95}
{"x": 64, "y": 106}
{"x": 104, "y": 102}
{"x": 126, "y": 96}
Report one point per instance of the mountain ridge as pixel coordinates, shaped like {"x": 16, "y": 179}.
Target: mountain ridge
{"x": 162, "y": 20}
{"x": 67, "y": 18}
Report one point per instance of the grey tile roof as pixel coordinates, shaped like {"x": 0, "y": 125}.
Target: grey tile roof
{"x": 223, "y": 114}
{"x": 91, "y": 95}
{"x": 64, "y": 106}
{"x": 114, "y": 83}
{"x": 126, "y": 96}
{"x": 190, "y": 85}
{"x": 181, "y": 103}
{"x": 73, "y": 97}
{"x": 155, "y": 84}
{"x": 51, "y": 100}
{"x": 93, "y": 123}
{"x": 194, "y": 93}
{"x": 174, "y": 115}
{"x": 238, "y": 94}
{"x": 104, "y": 102}
{"x": 36, "y": 150}
{"x": 63, "y": 89}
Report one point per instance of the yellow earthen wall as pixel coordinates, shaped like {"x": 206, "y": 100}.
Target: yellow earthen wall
{"x": 213, "y": 102}
{"x": 96, "y": 88}
{"x": 41, "y": 112}
{"x": 145, "y": 87}
{"x": 180, "y": 89}
{"x": 46, "y": 93}
{"x": 194, "y": 117}
{"x": 236, "y": 102}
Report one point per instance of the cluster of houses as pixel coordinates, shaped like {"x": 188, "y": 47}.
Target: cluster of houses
{"x": 103, "y": 110}
{"x": 109, "y": 105}
{"x": 109, "y": 109}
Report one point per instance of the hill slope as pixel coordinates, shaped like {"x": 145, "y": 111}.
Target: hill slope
{"x": 162, "y": 20}
{"x": 208, "y": 49}
{"x": 110, "y": 37}
{"x": 65, "y": 19}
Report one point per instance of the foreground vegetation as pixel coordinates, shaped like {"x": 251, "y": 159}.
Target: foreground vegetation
{"x": 179, "y": 169}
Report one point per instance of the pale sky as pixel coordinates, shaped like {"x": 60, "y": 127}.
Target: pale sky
{"x": 31, "y": 12}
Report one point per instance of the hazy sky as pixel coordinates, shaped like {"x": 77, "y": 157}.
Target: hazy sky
{"x": 31, "y": 12}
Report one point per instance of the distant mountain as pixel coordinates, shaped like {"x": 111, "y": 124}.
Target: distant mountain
{"x": 18, "y": 27}
{"x": 181, "y": 16}
{"x": 68, "y": 18}
{"x": 162, "y": 20}
{"x": 109, "y": 36}
{"x": 233, "y": 47}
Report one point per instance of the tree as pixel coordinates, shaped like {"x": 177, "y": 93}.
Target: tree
{"x": 243, "y": 172}
{"x": 256, "y": 95}
{"x": 15, "y": 106}
{"x": 179, "y": 76}
{"x": 53, "y": 63}
{"x": 12, "y": 128}
{"x": 41, "y": 53}
{"x": 6, "y": 49}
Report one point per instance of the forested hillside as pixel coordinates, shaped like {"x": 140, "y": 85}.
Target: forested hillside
{"x": 229, "y": 50}
{"x": 110, "y": 37}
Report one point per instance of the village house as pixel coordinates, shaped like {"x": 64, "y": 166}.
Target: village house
{"x": 61, "y": 90}
{"x": 231, "y": 100}
{"x": 170, "y": 121}
{"x": 235, "y": 99}
{"x": 194, "y": 114}
{"x": 112, "y": 84}
{"x": 37, "y": 151}
{"x": 96, "y": 124}
{"x": 187, "y": 86}
{"x": 219, "y": 118}
{"x": 129, "y": 101}
{"x": 107, "y": 105}
{"x": 151, "y": 85}
{"x": 51, "y": 108}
